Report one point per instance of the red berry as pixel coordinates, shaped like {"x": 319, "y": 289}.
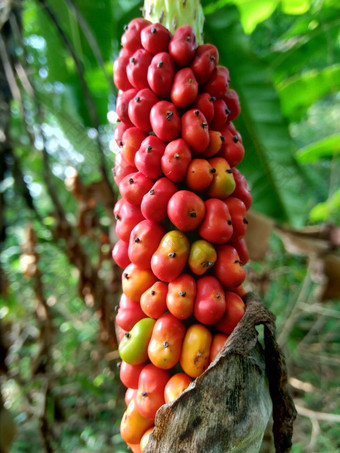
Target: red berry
{"x": 148, "y": 157}
{"x": 186, "y": 210}
{"x": 155, "y": 202}
{"x": 221, "y": 113}
{"x": 182, "y": 45}
{"x": 195, "y": 130}
{"x": 218, "y": 83}
{"x": 205, "y": 61}
{"x": 205, "y": 103}
{"x": 134, "y": 186}
{"x": 233, "y": 102}
{"x": 122, "y": 105}
{"x": 165, "y": 121}
{"x": 131, "y": 37}
{"x": 137, "y": 69}
{"x": 184, "y": 89}
{"x": 175, "y": 160}
{"x": 139, "y": 108}
{"x": 155, "y": 38}
{"x": 161, "y": 73}
{"x": 119, "y": 73}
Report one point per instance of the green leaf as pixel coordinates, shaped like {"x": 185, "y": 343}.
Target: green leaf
{"x": 295, "y": 6}
{"x": 252, "y": 12}
{"x": 269, "y": 164}
{"x": 313, "y": 49}
{"x": 317, "y": 151}
{"x": 298, "y": 93}
{"x": 326, "y": 210}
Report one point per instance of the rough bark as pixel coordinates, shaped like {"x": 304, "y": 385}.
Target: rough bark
{"x": 228, "y": 407}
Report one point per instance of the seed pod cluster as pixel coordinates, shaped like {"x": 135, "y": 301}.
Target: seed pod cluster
{"x": 181, "y": 220}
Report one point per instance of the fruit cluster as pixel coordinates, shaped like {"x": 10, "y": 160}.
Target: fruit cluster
{"x": 181, "y": 220}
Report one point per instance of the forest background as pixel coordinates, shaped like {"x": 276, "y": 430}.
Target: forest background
{"x": 58, "y": 284}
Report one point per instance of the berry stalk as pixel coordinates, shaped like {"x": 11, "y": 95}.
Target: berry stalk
{"x": 174, "y": 13}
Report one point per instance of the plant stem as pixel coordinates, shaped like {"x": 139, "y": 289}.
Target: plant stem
{"x": 174, "y": 13}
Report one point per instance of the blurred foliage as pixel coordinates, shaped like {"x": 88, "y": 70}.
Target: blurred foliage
{"x": 283, "y": 58}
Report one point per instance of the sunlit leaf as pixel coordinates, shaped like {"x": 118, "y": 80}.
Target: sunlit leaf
{"x": 295, "y": 6}
{"x": 316, "y": 152}
{"x": 298, "y": 93}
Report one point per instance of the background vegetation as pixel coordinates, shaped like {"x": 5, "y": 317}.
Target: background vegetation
{"x": 58, "y": 374}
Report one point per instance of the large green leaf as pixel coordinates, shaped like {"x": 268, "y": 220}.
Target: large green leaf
{"x": 315, "y": 152}
{"x": 269, "y": 165}
{"x": 252, "y": 11}
{"x": 311, "y": 44}
{"x": 298, "y": 93}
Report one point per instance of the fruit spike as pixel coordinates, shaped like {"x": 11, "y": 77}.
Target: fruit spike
{"x": 172, "y": 14}
{"x": 181, "y": 220}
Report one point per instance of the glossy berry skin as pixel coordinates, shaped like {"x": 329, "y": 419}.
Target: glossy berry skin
{"x": 182, "y": 45}
{"x": 133, "y": 424}
{"x": 169, "y": 260}
{"x": 148, "y": 157}
{"x": 241, "y": 247}
{"x": 202, "y": 256}
{"x": 195, "y": 351}
{"x": 232, "y": 149}
{"x": 132, "y": 139}
{"x": 155, "y": 202}
{"x": 134, "y": 186}
{"x": 119, "y": 131}
{"x": 217, "y": 224}
{"x": 228, "y": 268}
{"x": 129, "y": 313}
{"x": 210, "y": 302}
{"x": 155, "y": 38}
{"x": 129, "y": 374}
{"x": 215, "y": 144}
{"x": 217, "y": 344}
{"x": 184, "y": 89}
{"x": 181, "y": 296}
{"x": 127, "y": 216}
{"x": 199, "y": 174}
{"x": 122, "y": 105}
{"x": 234, "y": 312}
{"x": 139, "y": 108}
{"x": 205, "y": 103}
{"x": 221, "y": 115}
{"x": 122, "y": 168}
{"x": 205, "y": 61}
{"x": 186, "y": 210}
{"x": 175, "y": 160}
{"x": 195, "y": 130}
{"x": 135, "y": 281}
{"x": 223, "y": 183}
{"x": 150, "y": 394}
{"x": 175, "y": 386}
{"x": 232, "y": 100}
{"x": 237, "y": 210}
{"x": 166, "y": 342}
{"x": 120, "y": 254}
{"x": 241, "y": 190}
{"x": 131, "y": 40}
{"x": 153, "y": 300}
{"x": 218, "y": 83}
{"x": 144, "y": 240}
{"x": 161, "y": 73}
{"x": 137, "y": 69}
{"x": 165, "y": 121}
{"x": 119, "y": 73}
{"x": 133, "y": 347}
